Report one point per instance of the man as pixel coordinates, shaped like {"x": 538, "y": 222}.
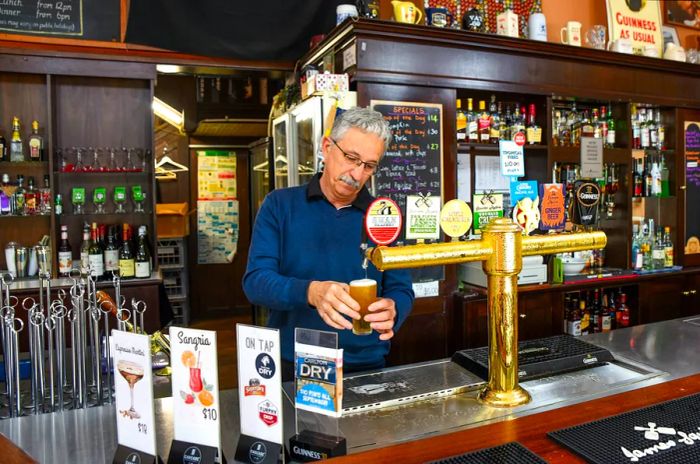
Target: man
{"x": 306, "y": 249}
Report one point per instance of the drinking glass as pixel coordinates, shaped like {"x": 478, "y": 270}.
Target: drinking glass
{"x": 79, "y": 166}
{"x": 595, "y": 37}
{"x": 112, "y": 167}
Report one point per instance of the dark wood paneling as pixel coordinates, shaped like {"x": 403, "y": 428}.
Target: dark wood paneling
{"x": 83, "y": 66}
{"x": 662, "y": 300}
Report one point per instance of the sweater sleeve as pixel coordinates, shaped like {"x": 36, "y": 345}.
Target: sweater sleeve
{"x": 397, "y": 285}
{"x": 262, "y": 283}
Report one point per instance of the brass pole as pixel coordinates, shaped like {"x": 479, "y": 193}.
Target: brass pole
{"x": 501, "y": 249}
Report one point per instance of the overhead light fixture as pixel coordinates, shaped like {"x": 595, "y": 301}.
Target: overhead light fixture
{"x": 168, "y": 68}
{"x": 169, "y": 114}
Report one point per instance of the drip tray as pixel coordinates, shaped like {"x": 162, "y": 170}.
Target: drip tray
{"x": 541, "y": 357}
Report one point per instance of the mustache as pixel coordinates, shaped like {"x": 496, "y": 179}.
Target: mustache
{"x": 350, "y": 181}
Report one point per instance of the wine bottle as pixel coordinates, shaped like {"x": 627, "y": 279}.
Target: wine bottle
{"x": 65, "y": 254}
{"x": 126, "y": 256}
{"x": 95, "y": 255}
{"x": 111, "y": 254}
{"x": 143, "y": 256}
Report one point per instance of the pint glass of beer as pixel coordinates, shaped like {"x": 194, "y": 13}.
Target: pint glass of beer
{"x": 364, "y": 291}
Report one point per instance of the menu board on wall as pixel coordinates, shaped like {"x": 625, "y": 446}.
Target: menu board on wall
{"x": 692, "y": 180}
{"x": 81, "y": 19}
{"x": 412, "y": 165}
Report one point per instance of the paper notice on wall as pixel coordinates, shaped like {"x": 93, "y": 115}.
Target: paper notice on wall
{"x": 217, "y": 231}
{"x": 216, "y": 178}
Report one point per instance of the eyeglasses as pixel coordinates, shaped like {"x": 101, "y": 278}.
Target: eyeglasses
{"x": 369, "y": 167}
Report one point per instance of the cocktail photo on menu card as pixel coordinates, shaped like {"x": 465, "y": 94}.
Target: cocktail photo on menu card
{"x": 684, "y": 13}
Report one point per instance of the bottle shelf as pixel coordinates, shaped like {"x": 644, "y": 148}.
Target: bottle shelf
{"x": 31, "y": 216}
{"x": 96, "y": 174}
{"x": 23, "y": 164}
{"x": 573, "y": 155}
{"x": 464, "y": 146}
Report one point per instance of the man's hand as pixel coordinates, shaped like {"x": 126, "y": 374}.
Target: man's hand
{"x": 332, "y": 300}
{"x": 382, "y": 315}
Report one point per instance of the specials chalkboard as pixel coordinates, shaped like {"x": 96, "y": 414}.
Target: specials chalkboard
{"x": 80, "y": 19}
{"x": 412, "y": 165}
{"x": 692, "y": 182}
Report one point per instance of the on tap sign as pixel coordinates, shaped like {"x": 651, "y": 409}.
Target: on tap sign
{"x": 639, "y": 21}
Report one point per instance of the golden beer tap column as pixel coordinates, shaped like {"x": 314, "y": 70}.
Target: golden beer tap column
{"x": 501, "y": 249}
{"x": 502, "y": 268}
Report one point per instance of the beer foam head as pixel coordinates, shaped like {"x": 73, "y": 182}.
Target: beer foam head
{"x": 363, "y": 283}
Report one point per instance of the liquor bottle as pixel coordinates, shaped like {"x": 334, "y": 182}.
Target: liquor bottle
{"x": 30, "y": 198}
{"x": 574, "y": 323}
{"x": 126, "y": 256}
{"x": 625, "y": 310}
{"x": 665, "y": 178}
{"x": 603, "y": 122}
{"x": 636, "y": 130}
{"x": 3, "y": 149}
{"x": 655, "y": 177}
{"x": 16, "y": 147}
{"x": 637, "y": 179}
{"x": 111, "y": 254}
{"x": 19, "y": 200}
{"x": 143, "y": 256}
{"x": 668, "y": 248}
{"x": 484, "y": 123}
{"x": 95, "y": 254}
{"x": 585, "y": 317}
{"x": 472, "y": 122}
{"x": 597, "y": 313}
{"x": 36, "y": 143}
{"x": 653, "y": 129}
{"x": 461, "y": 122}
{"x": 494, "y": 130}
{"x": 85, "y": 251}
{"x": 606, "y": 323}
{"x": 637, "y": 253}
{"x": 595, "y": 122}
{"x": 586, "y": 125}
{"x": 58, "y": 205}
{"x": 44, "y": 197}
{"x": 648, "y": 178}
{"x": 644, "y": 126}
{"x": 65, "y": 254}
{"x": 645, "y": 246}
{"x": 534, "y": 132}
{"x": 503, "y": 125}
{"x": 658, "y": 251}
{"x": 518, "y": 122}
{"x": 5, "y": 198}
{"x": 610, "y": 137}
{"x": 661, "y": 142}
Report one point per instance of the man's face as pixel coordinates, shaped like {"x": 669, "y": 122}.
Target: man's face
{"x": 342, "y": 177}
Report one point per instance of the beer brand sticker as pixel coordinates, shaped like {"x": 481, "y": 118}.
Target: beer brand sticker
{"x": 268, "y": 412}
{"x": 383, "y": 221}
{"x": 422, "y": 217}
{"x": 519, "y": 138}
{"x": 455, "y": 218}
{"x": 487, "y": 207}
{"x": 552, "y": 210}
{"x": 254, "y": 387}
{"x": 265, "y": 365}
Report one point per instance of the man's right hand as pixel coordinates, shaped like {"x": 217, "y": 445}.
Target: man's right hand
{"x": 332, "y": 300}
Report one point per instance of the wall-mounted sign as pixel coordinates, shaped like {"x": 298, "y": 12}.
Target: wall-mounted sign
{"x": 638, "y": 21}
{"x": 591, "y": 157}
{"x": 692, "y": 182}
{"x": 383, "y": 221}
{"x": 512, "y": 158}
{"x": 422, "y": 217}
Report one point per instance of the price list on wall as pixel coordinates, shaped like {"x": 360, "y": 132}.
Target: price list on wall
{"x": 692, "y": 175}
{"x": 412, "y": 165}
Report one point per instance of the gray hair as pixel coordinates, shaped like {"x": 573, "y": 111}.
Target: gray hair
{"x": 365, "y": 119}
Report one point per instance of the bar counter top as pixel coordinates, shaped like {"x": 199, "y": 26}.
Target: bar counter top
{"x": 658, "y": 362}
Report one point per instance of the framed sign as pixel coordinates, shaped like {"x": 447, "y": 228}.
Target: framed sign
{"x": 682, "y": 13}
{"x": 636, "y": 20}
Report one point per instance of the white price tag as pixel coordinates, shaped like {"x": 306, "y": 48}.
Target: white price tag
{"x": 512, "y": 158}
{"x": 591, "y": 157}
{"x": 426, "y": 289}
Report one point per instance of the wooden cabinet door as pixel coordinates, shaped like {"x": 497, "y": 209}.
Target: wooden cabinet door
{"x": 661, "y": 299}
{"x": 691, "y": 294}
{"x": 534, "y": 315}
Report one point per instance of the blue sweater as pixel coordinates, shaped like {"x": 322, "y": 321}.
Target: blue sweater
{"x": 299, "y": 237}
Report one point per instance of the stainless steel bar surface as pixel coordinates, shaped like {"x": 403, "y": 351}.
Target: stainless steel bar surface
{"x": 649, "y": 354}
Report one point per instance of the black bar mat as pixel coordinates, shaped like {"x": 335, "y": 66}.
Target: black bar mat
{"x": 510, "y": 453}
{"x": 540, "y": 357}
{"x": 664, "y": 433}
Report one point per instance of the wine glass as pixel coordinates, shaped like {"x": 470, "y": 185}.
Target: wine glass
{"x": 129, "y": 166}
{"x": 132, "y": 373}
{"x": 79, "y": 166}
{"x": 112, "y": 160}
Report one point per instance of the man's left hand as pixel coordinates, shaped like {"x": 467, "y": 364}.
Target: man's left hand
{"x": 382, "y": 315}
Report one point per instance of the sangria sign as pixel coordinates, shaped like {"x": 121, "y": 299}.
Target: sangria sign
{"x": 195, "y": 383}
{"x": 636, "y": 21}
